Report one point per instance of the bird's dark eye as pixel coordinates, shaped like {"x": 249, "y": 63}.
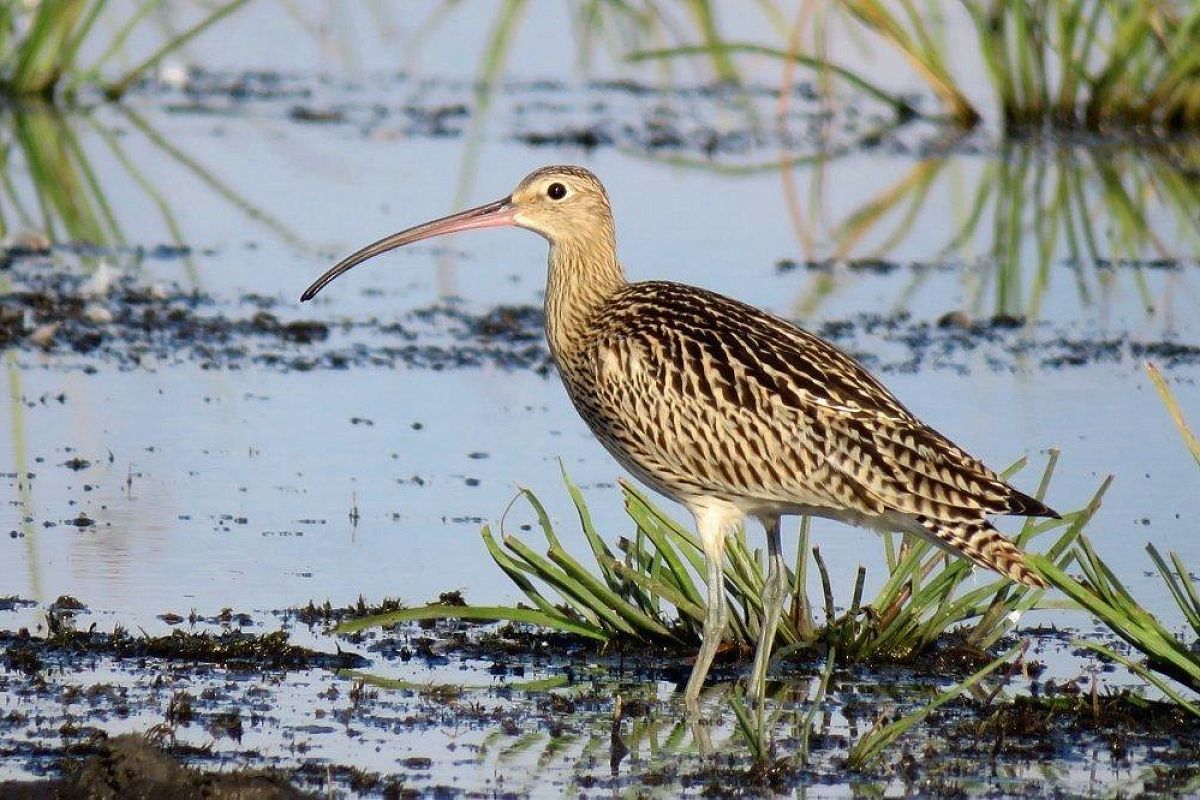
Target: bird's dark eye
{"x": 556, "y": 191}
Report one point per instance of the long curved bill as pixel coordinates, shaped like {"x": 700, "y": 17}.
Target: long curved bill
{"x": 493, "y": 215}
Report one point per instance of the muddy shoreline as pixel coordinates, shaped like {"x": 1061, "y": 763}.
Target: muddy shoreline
{"x": 121, "y": 713}
{"x": 130, "y": 324}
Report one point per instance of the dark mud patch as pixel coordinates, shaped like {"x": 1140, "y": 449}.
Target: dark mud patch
{"x": 511, "y": 648}
{"x": 742, "y": 123}
{"x": 133, "y": 326}
{"x": 231, "y": 649}
{"x": 673, "y": 120}
{"x": 131, "y": 766}
{"x": 12, "y": 602}
{"x": 600, "y": 725}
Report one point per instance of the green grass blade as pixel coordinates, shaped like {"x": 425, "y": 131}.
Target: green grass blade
{"x": 39, "y": 62}
{"x": 599, "y": 548}
{"x": 1189, "y": 586}
{"x": 568, "y": 586}
{"x": 1137, "y": 627}
{"x": 1185, "y": 598}
{"x": 663, "y": 546}
{"x": 122, "y": 84}
{"x": 517, "y": 575}
{"x": 897, "y": 103}
{"x": 543, "y": 517}
{"x": 1141, "y": 671}
{"x": 869, "y": 748}
{"x": 695, "y": 611}
{"x": 634, "y": 617}
{"x": 117, "y": 43}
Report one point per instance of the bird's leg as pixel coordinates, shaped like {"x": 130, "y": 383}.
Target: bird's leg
{"x": 774, "y": 591}
{"x": 711, "y": 528}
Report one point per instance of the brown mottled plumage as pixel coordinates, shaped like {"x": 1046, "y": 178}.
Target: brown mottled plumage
{"x": 698, "y": 394}
{"x": 731, "y": 411}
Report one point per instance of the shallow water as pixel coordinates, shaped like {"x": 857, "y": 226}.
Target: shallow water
{"x": 219, "y": 481}
{"x": 281, "y": 450}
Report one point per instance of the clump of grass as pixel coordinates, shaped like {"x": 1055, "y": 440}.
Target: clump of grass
{"x": 40, "y": 45}
{"x": 1091, "y": 64}
{"x": 652, "y": 594}
{"x": 913, "y": 37}
{"x": 1172, "y": 665}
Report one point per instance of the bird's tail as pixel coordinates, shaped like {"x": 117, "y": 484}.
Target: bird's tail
{"x": 978, "y": 541}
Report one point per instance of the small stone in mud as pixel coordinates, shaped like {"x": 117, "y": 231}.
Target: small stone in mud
{"x": 874, "y": 265}
{"x": 1007, "y": 321}
{"x": 954, "y": 319}
{"x": 310, "y": 114}
{"x": 43, "y": 335}
{"x": 67, "y": 603}
{"x": 97, "y": 314}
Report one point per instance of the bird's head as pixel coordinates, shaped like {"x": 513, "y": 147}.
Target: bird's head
{"x": 562, "y": 204}
{"x": 566, "y": 205}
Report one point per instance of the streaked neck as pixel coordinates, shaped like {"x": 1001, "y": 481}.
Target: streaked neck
{"x": 583, "y": 277}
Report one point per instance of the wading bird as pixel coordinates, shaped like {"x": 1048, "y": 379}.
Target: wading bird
{"x": 730, "y": 411}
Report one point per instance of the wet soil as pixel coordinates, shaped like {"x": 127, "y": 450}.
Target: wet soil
{"x": 695, "y": 122}
{"x": 130, "y": 324}
{"x": 105, "y": 720}
{"x": 625, "y": 114}
{"x": 131, "y": 766}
